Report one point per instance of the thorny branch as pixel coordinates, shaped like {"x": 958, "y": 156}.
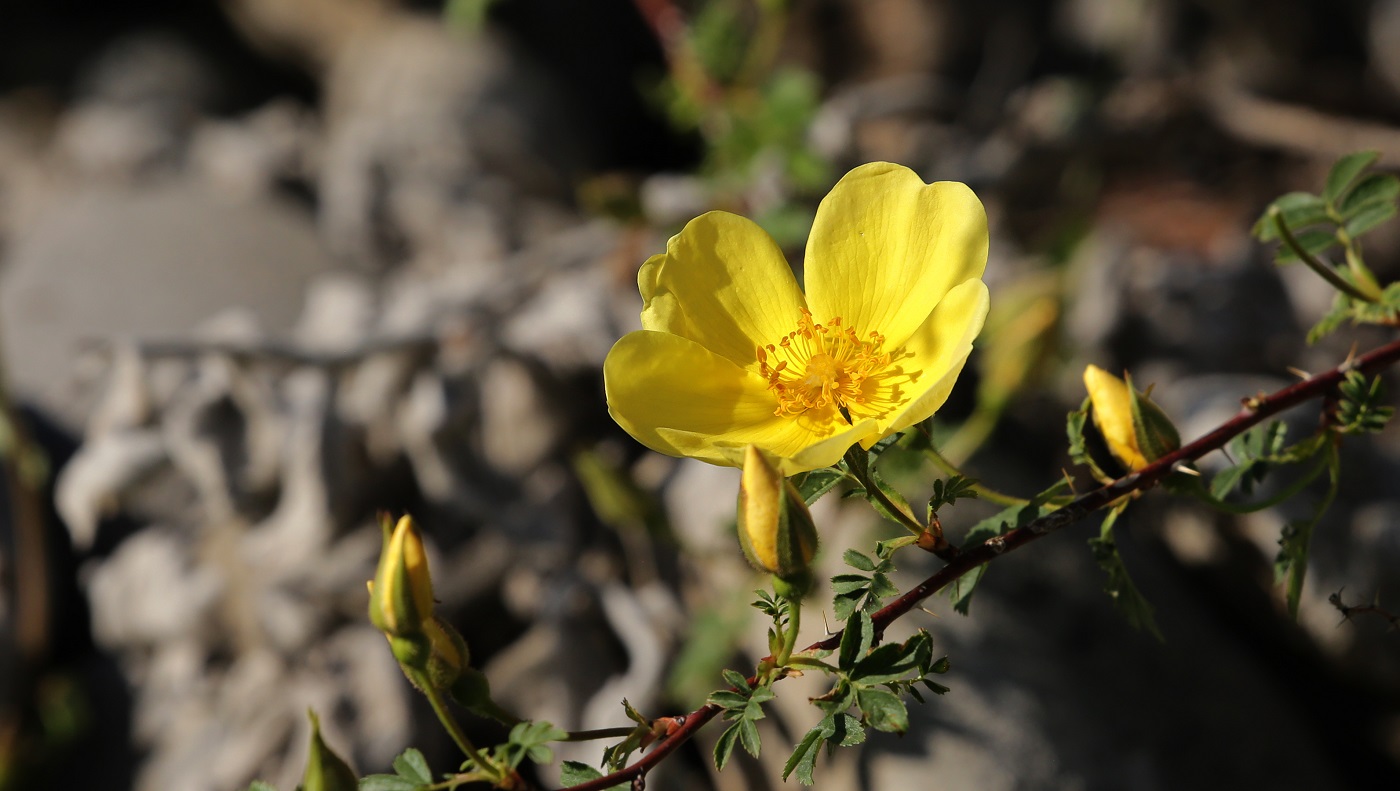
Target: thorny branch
{"x": 1254, "y": 411}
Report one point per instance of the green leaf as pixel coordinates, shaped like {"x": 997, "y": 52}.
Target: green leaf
{"x": 1374, "y": 188}
{"x": 411, "y": 765}
{"x": 855, "y": 559}
{"x": 1344, "y": 173}
{"x": 1313, "y": 242}
{"x": 258, "y": 785}
{"x": 1360, "y": 410}
{"x": 1298, "y": 209}
{"x": 886, "y": 663}
{"x": 891, "y": 494}
{"x": 855, "y": 640}
{"x": 748, "y": 736}
{"x": 724, "y": 746}
{"x": 950, "y": 491}
{"x": 883, "y": 710}
{"x": 736, "y": 680}
{"x": 727, "y": 700}
{"x": 848, "y": 732}
{"x": 1369, "y": 218}
{"x": 1291, "y": 565}
{"x": 1078, "y": 449}
{"x": 804, "y": 757}
{"x": 1340, "y": 312}
{"x": 1118, "y": 585}
{"x": 812, "y": 485}
{"x": 574, "y": 773}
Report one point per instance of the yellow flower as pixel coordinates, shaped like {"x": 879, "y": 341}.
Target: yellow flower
{"x": 1134, "y": 442}
{"x": 401, "y": 593}
{"x": 732, "y": 353}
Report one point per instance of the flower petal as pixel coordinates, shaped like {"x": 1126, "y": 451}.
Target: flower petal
{"x": 722, "y": 283}
{"x": 886, "y": 247}
{"x": 935, "y": 355}
{"x": 678, "y": 398}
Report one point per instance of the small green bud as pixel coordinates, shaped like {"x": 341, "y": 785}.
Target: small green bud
{"x": 775, "y": 527}
{"x": 401, "y": 594}
{"x": 325, "y": 771}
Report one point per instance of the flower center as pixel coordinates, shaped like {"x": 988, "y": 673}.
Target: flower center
{"x": 819, "y": 365}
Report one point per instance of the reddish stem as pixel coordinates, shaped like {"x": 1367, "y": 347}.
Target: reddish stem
{"x": 1255, "y": 411}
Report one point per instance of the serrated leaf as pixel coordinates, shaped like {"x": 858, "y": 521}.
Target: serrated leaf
{"x": 900, "y": 505}
{"x": 881, "y": 588}
{"x": 812, "y": 485}
{"x": 411, "y": 765}
{"x": 848, "y": 731}
{"x": 804, "y": 756}
{"x": 727, "y": 700}
{"x": 1117, "y": 584}
{"x": 883, "y": 710}
{"x": 886, "y": 663}
{"x": 1373, "y": 188}
{"x": 748, "y": 736}
{"x": 855, "y": 639}
{"x": 846, "y": 603}
{"x": 1369, "y": 218}
{"x": 857, "y": 560}
{"x": 735, "y": 679}
{"x": 849, "y": 583}
{"x": 724, "y": 745}
{"x": 1344, "y": 173}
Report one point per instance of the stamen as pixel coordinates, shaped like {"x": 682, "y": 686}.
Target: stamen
{"x": 822, "y": 365}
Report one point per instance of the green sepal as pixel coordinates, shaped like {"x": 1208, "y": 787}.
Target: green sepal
{"x": 1156, "y": 436}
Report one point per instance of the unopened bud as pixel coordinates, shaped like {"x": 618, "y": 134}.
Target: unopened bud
{"x": 325, "y": 771}
{"x": 1135, "y": 429}
{"x": 775, "y": 527}
{"x": 401, "y": 595}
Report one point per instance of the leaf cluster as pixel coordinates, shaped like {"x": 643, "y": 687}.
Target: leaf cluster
{"x": 870, "y": 680}
{"x": 1352, "y": 204}
{"x": 742, "y": 705}
{"x": 1360, "y": 410}
{"x": 411, "y": 772}
{"x": 863, "y": 591}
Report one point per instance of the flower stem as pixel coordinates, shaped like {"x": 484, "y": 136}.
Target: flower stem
{"x": 858, "y": 461}
{"x": 1323, "y": 270}
{"x": 450, "y": 722}
{"x": 790, "y": 637}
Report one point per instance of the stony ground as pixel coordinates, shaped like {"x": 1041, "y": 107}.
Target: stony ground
{"x": 272, "y": 267}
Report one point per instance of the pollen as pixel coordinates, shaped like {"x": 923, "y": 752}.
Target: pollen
{"x": 821, "y": 365}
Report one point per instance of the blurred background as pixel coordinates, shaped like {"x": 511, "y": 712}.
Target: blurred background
{"x": 270, "y": 267}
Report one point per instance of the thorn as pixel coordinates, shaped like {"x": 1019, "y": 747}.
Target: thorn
{"x": 1184, "y": 466}
{"x": 826, "y": 625}
{"x": 1298, "y": 372}
{"x": 927, "y": 610}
